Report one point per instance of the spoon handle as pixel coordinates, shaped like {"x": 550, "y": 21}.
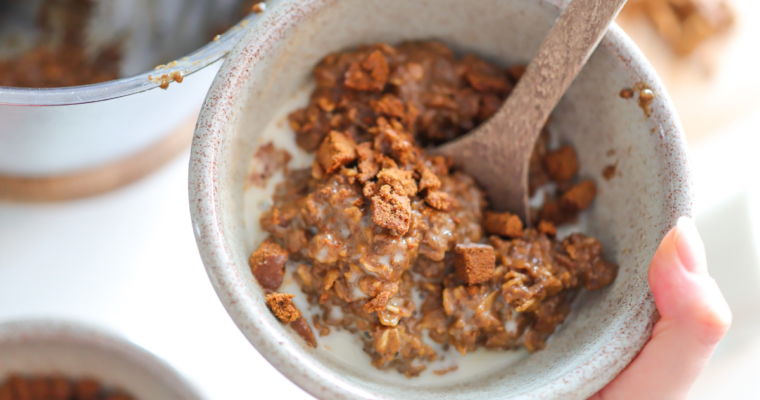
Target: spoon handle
{"x": 560, "y": 58}
{"x": 498, "y": 152}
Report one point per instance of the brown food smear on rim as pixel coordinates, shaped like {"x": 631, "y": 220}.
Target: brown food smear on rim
{"x": 609, "y": 171}
{"x": 626, "y": 93}
{"x": 375, "y": 218}
{"x": 259, "y": 8}
{"x": 646, "y": 96}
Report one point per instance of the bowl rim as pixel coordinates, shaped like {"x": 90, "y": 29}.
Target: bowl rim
{"x": 65, "y": 331}
{"x": 208, "y": 224}
{"x": 201, "y": 58}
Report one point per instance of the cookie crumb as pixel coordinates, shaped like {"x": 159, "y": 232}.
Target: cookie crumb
{"x": 282, "y": 307}
{"x": 368, "y": 165}
{"x": 399, "y": 180}
{"x": 547, "y": 228}
{"x": 475, "y": 263}
{"x": 268, "y": 264}
{"x": 391, "y": 210}
{"x": 428, "y": 179}
{"x": 561, "y": 164}
{"x": 371, "y": 75}
{"x": 303, "y": 330}
{"x": 504, "y": 224}
{"x": 438, "y": 200}
{"x": 579, "y": 197}
{"x": 336, "y": 150}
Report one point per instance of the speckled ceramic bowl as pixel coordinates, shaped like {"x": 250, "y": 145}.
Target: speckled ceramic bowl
{"x": 635, "y": 207}
{"x": 70, "y": 349}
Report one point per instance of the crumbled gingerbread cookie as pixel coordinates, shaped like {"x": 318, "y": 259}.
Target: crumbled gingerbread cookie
{"x": 369, "y": 75}
{"x": 391, "y": 210}
{"x": 579, "y": 197}
{"x": 368, "y": 164}
{"x": 438, "y": 200}
{"x": 282, "y": 307}
{"x": 547, "y": 228}
{"x": 504, "y": 224}
{"x": 336, "y": 151}
{"x": 475, "y": 263}
{"x": 561, "y": 164}
{"x": 268, "y": 264}
{"x": 400, "y": 181}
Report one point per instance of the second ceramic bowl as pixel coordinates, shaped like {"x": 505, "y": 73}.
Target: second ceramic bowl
{"x": 46, "y": 347}
{"x": 634, "y": 209}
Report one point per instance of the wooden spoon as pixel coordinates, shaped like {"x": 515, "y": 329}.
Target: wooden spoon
{"x": 497, "y": 153}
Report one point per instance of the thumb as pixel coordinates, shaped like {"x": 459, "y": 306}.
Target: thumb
{"x": 694, "y": 317}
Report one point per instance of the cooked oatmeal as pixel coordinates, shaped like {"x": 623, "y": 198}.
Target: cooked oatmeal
{"x": 403, "y": 245}
{"x": 62, "y": 61}
{"x": 56, "y": 387}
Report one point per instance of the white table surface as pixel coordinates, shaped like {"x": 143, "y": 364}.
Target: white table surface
{"x": 127, "y": 261}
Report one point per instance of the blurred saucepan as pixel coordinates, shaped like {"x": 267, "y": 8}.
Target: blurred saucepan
{"x": 81, "y": 111}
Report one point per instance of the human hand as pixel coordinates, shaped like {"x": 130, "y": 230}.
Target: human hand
{"x": 694, "y": 317}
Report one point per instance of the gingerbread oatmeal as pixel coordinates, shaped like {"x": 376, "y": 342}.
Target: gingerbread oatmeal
{"x": 397, "y": 247}
{"x": 56, "y": 387}
{"x": 61, "y": 59}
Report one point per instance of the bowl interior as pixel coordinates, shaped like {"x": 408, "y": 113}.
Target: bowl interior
{"x": 633, "y": 210}
{"x": 42, "y": 348}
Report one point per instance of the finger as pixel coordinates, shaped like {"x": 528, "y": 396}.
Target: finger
{"x": 694, "y": 317}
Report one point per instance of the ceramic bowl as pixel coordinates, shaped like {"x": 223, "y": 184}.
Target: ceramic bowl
{"x": 77, "y": 351}
{"x": 635, "y": 207}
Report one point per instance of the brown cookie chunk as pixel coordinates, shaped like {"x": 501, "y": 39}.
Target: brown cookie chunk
{"x": 504, "y": 224}
{"x": 474, "y": 263}
{"x": 268, "y": 264}
{"x": 579, "y": 197}
{"x": 336, "y": 151}
{"x": 391, "y": 210}
{"x": 282, "y": 307}
{"x": 562, "y": 164}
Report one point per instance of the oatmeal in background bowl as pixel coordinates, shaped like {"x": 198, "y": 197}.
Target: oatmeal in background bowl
{"x": 360, "y": 267}
{"x": 61, "y": 360}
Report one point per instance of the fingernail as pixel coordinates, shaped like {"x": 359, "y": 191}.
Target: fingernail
{"x": 689, "y": 246}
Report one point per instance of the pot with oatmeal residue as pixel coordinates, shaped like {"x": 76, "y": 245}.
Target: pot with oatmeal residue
{"x": 80, "y": 87}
